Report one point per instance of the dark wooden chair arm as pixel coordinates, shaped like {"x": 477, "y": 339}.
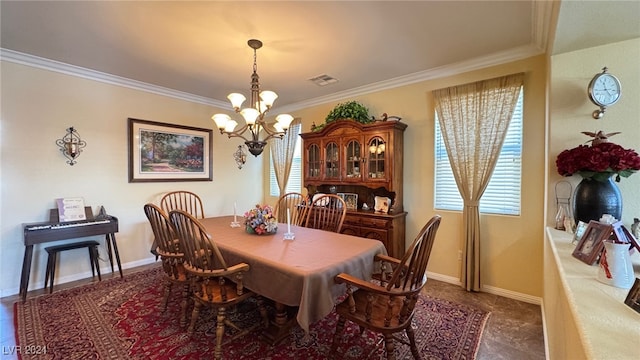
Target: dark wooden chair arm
{"x": 368, "y": 286}
{"x": 232, "y": 270}
{"x": 387, "y": 258}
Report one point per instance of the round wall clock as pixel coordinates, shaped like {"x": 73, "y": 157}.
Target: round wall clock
{"x": 604, "y": 90}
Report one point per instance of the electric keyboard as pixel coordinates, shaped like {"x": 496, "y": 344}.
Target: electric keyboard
{"x": 37, "y": 233}
{"x": 66, "y": 225}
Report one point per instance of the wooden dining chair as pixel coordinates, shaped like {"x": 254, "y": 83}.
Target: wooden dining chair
{"x": 387, "y": 304}
{"x": 183, "y": 200}
{"x": 170, "y": 252}
{"x": 327, "y": 212}
{"x": 213, "y": 282}
{"x": 295, "y": 203}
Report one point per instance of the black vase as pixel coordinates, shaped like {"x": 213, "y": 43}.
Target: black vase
{"x": 593, "y": 198}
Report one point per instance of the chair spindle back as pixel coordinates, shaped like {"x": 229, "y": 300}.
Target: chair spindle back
{"x": 327, "y": 212}
{"x": 183, "y": 200}
{"x": 409, "y": 275}
{"x": 294, "y": 202}
{"x": 200, "y": 251}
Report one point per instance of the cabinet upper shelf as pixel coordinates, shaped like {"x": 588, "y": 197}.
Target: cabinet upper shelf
{"x": 350, "y": 153}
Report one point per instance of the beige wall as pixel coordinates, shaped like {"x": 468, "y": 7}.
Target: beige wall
{"x": 37, "y": 106}
{"x": 512, "y": 245}
{"x": 34, "y": 172}
{"x": 570, "y": 112}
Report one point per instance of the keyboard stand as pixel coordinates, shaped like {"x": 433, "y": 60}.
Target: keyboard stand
{"x": 38, "y": 233}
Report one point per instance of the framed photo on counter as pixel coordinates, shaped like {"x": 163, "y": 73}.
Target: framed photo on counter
{"x": 590, "y": 245}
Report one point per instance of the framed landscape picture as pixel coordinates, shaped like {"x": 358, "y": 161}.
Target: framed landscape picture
{"x": 167, "y": 152}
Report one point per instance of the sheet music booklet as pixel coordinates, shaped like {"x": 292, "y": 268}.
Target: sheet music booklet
{"x": 71, "y": 209}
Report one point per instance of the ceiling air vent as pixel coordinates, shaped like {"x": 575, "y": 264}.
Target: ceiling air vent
{"x": 322, "y": 80}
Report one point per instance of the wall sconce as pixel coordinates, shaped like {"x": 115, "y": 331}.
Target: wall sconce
{"x": 240, "y": 156}
{"x": 71, "y": 145}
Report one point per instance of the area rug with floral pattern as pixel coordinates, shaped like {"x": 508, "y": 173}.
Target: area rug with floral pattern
{"x": 121, "y": 318}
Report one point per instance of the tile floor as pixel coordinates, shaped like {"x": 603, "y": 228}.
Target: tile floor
{"x": 513, "y": 331}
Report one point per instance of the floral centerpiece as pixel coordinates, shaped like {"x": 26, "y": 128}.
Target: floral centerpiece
{"x": 261, "y": 220}
{"x": 598, "y": 161}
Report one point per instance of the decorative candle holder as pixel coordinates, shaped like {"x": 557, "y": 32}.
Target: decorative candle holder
{"x": 289, "y": 235}
{"x": 235, "y": 223}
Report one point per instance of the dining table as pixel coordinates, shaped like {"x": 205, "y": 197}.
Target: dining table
{"x": 295, "y": 274}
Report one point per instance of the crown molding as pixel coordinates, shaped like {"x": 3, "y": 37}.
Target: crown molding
{"x": 497, "y": 58}
{"x": 544, "y": 16}
{"x": 67, "y": 69}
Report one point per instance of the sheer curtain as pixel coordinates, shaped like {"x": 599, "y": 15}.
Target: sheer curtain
{"x": 474, "y": 119}
{"x": 282, "y": 152}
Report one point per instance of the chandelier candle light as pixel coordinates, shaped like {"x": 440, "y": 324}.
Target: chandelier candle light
{"x": 261, "y": 103}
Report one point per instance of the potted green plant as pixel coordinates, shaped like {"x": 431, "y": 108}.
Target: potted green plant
{"x": 349, "y": 110}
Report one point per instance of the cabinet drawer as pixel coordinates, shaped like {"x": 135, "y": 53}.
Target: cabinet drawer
{"x": 352, "y": 220}
{"x": 378, "y": 223}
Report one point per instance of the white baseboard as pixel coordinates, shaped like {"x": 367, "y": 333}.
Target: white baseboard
{"x": 79, "y": 276}
{"x": 489, "y": 289}
{"x": 444, "y": 278}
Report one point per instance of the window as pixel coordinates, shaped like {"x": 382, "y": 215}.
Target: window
{"x": 295, "y": 177}
{"x": 502, "y": 195}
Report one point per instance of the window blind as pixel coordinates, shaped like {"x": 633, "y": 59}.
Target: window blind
{"x": 502, "y": 195}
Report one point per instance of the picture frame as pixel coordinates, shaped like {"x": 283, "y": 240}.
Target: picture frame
{"x": 162, "y": 152}
{"x": 590, "y": 245}
{"x": 633, "y": 297}
{"x": 350, "y": 200}
{"x": 623, "y": 235}
{"x": 580, "y": 228}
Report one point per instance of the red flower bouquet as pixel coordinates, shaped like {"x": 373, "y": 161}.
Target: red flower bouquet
{"x": 599, "y": 161}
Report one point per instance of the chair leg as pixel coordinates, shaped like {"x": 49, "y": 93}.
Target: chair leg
{"x": 390, "y": 346}
{"x": 97, "y": 259}
{"x": 95, "y": 263}
{"x": 48, "y": 272}
{"x": 167, "y": 292}
{"x": 412, "y": 342}
{"x": 194, "y": 316}
{"x": 336, "y": 335}
{"x": 92, "y": 260}
{"x": 219, "y": 333}
{"x": 185, "y": 304}
{"x": 52, "y": 275}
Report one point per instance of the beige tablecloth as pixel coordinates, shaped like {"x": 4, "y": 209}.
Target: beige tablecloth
{"x": 296, "y": 272}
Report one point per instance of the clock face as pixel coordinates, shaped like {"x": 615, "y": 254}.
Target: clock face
{"x": 604, "y": 89}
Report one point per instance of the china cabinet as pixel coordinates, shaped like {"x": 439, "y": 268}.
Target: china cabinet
{"x": 364, "y": 159}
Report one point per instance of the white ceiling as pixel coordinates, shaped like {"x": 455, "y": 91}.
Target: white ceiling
{"x": 200, "y": 48}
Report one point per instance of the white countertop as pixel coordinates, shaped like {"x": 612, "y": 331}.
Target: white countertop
{"x": 609, "y": 329}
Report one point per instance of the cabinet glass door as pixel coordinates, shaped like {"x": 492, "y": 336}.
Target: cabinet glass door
{"x": 353, "y": 158}
{"x": 313, "y": 163}
{"x": 332, "y": 164}
{"x": 376, "y": 160}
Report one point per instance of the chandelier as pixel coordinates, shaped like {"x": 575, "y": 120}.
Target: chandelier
{"x": 260, "y": 104}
